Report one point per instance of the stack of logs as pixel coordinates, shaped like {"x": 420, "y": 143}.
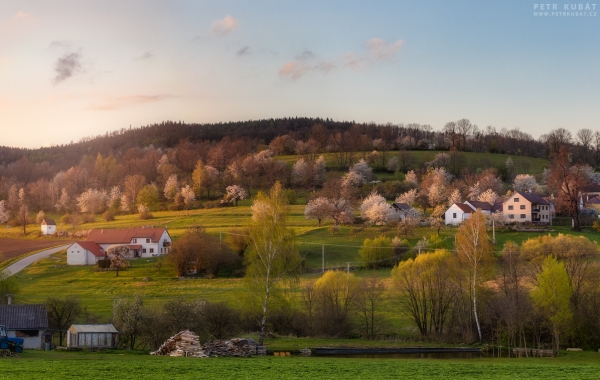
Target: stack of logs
{"x": 184, "y": 343}
{"x": 187, "y": 344}
{"x": 8, "y": 353}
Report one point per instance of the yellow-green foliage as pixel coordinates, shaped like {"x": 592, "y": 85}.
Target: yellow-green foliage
{"x": 375, "y": 252}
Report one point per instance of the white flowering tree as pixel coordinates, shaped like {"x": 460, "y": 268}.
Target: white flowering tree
{"x": 114, "y": 198}
{"x": 125, "y": 203}
{"x": 524, "y": 182}
{"x": 318, "y": 208}
{"x": 171, "y": 187}
{"x": 319, "y": 170}
{"x": 235, "y": 193}
{"x": 376, "y": 210}
{"x": 353, "y": 179}
{"x": 363, "y": 168}
{"x": 341, "y": 211}
{"x": 411, "y": 178}
{"x": 393, "y": 165}
{"x": 488, "y": 196}
{"x": 440, "y": 160}
{"x": 64, "y": 202}
{"x": 408, "y": 197}
{"x": 92, "y": 201}
{"x": 4, "y": 214}
{"x": 435, "y": 194}
{"x": 188, "y": 195}
{"x": 454, "y": 197}
{"x": 301, "y": 173}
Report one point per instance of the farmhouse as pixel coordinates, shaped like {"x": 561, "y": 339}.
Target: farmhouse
{"x": 48, "y": 226}
{"x": 526, "y": 207}
{"x": 458, "y": 212}
{"x": 92, "y": 336}
{"x": 142, "y": 242}
{"x": 29, "y": 322}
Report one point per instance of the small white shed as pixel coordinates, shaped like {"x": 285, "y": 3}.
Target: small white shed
{"x": 48, "y": 226}
{"x": 92, "y": 336}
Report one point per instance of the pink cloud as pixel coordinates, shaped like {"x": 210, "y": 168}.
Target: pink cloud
{"x": 225, "y": 26}
{"x": 21, "y": 16}
{"x": 377, "y": 50}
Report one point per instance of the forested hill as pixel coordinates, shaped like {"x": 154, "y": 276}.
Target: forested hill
{"x": 168, "y": 134}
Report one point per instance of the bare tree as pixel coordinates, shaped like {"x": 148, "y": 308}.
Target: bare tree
{"x": 62, "y": 313}
{"x": 370, "y": 295}
{"x": 585, "y": 138}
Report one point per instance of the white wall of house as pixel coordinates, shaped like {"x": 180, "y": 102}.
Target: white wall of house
{"x": 77, "y": 255}
{"x": 30, "y": 343}
{"x": 454, "y": 215}
{"x": 48, "y": 229}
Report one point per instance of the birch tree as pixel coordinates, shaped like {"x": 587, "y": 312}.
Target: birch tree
{"x": 473, "y": 250}
{"x": 273, "y": 256}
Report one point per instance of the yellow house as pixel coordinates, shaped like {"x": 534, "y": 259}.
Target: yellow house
{"x": 524, "y": 207}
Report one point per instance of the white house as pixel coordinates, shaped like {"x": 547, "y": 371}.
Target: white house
{"x": 84, "y": 253}
{"x": 142, "y": 242}
{"x": 48, "y": 226}
{"x": 457, "y": 213}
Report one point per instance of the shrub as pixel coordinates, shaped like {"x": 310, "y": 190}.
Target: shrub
{"x": 109, "y": 216}
{"x": 376, "y": 252}
{"x": 87, "y": 218}
{"x": 144, "y": 212}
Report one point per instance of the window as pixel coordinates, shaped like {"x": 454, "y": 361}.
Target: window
{"x": 522, "y": 207}
{"x": 147, "y": 240}
{"x": 511, "y": 216}
{"x": 143, "y": 250}
{"x": 516, "y": 199}
{"x": 454, "y": 215}
{"x": 511, "y": 207}
{"x": 134, "y": 241}
{"x": 523, "y": 216}
{"x": 151, "y": 250}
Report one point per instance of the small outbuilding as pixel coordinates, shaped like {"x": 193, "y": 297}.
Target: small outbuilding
{"x": 48, "y": 226}
{"x": 29, "y": 322}
{"x": 84, "y": 253}
{"x": 92, "y": 336}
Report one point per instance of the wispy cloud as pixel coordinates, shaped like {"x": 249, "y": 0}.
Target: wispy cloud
{"x": 377, "y": 50}
{"x": 22, "y": 17}
{"x": 147, "y": 55}
{"x": 110, "y": 104}
{"x": 67, "y": 66}
{"x": 225, "y": 26}
{"x": 243, "y": 51}
{"x": 61, "y": 44}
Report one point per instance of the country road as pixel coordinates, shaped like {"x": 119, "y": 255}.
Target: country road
{"x": 23, "y": 263}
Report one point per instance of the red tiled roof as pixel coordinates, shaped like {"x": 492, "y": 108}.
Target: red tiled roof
{"x": 124, "y": 236}
{"x": 94, "y": 248}
{"x": 465, "y": 208}
{"x": 135, "y": 246}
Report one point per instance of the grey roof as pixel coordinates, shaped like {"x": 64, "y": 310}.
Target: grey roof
{"x": 480, "y": 204}
{"x": 401, "y": 206}
{"x": 95, "y": 328}
{"x": 49, "y": 222}
{"x": 24, "y": 317}
{"x": 465, "y": 208}
{"x": 533, "y": 198}
{"x": 497, "y": 205}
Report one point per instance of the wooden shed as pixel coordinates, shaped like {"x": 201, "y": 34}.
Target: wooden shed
{"x": 92, "y": 336}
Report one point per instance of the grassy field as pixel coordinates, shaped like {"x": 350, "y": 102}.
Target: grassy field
{"x": 59, "y": 365}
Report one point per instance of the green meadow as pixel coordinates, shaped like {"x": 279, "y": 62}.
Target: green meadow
{"x": 70, "y": 365}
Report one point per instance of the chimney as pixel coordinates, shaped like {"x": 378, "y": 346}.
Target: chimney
{"x": 102, "y": 231}
{"x": 9, "y": 298}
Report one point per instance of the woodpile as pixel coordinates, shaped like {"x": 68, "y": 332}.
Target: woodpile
{"x": 184, "y": 343}
{"x": 187, "y": 344}
{"x": 8, "y": 354}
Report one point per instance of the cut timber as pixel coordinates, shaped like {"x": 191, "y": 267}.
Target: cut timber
{"x": 186, "y": 344}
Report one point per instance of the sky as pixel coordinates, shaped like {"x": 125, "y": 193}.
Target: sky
{"x": 74, "y": 69}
